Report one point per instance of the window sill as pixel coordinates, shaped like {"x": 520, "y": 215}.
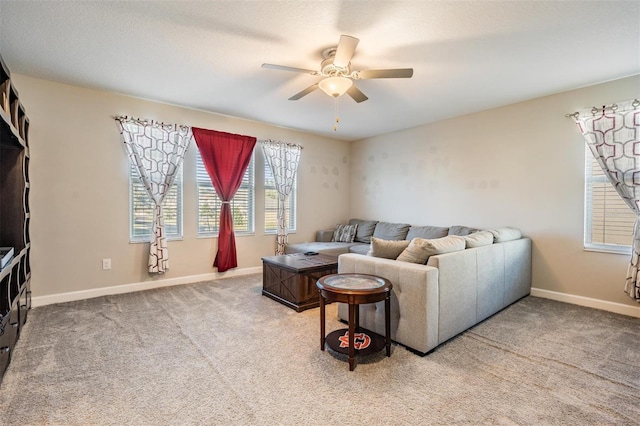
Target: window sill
{"x": 276, "y": 232}
{"x": 625, "y": 250}
{"x": 147, "y": 241}
{"x": 248, "y": 234}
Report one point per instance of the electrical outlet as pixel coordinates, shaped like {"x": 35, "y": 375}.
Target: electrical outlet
{"x": 106, "y": 264}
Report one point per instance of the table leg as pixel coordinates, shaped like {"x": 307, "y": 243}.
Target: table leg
{"x": 357, "y": 321}
{"x": 322, "y": 322}
{"x": 387, "y": 321}
{"x": 352, "y": 332}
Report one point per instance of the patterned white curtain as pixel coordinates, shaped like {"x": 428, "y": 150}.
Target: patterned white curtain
{"x": 157, "y": 151}
{"x": 613, "y": 135}
{"x": 283, "y": 159}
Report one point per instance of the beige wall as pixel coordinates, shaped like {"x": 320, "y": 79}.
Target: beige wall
{"x": 520, "y": 165}
{"x": 487, "y": 170}
{"x": 79, "y": 189}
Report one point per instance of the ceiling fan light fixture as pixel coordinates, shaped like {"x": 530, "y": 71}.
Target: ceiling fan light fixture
{"x": 335, "y": 86}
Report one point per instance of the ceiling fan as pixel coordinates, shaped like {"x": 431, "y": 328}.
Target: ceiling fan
{"x": 337, "y": 73}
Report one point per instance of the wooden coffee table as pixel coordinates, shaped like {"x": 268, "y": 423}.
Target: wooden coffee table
{"x": 291, "y": 278}
{"x": 355, "y": 289}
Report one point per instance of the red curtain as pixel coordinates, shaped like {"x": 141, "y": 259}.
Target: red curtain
{"x": 226, "y": 157}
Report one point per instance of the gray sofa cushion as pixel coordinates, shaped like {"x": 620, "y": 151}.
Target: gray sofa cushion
{"x": 391, "y": 231}
{"x": 365, "y": 229}
{"x": 461, "y": 230}
{"x": 427, "y": 232}
{"x": 324, "y": 235}
{"x": 331, "y": 248}
{"x": 362, "y": 248}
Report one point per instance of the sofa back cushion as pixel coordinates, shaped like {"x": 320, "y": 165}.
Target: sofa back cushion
{"x": 388, "y": 249}
{"x": 365, "y": 229}
{"x": 420, "y": 249}
{"x": 507, "y": 233}
{"x": 461, "y": 230}
{"x": 427, "y": 232}
{"x": 391, "y": 231}
{"x": 478, "y": 239}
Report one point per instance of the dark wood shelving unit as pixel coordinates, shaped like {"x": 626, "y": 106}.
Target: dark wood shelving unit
{"x": 15, "y": 276}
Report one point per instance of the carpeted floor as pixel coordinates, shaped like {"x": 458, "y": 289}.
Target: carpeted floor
{"x": 220, "y": 353}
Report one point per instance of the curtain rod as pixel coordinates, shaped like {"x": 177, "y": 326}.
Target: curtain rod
{"x": 594, "y": 110}
{"x": 144, "y": 120}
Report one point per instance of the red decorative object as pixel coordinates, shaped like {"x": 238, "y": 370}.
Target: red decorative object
{"x": 360, "y": 340}
{"x": 226, "y": 157}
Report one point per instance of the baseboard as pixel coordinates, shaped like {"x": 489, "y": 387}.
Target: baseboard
{"x": 146, "y": 285}
{"x": 618, "y": 308}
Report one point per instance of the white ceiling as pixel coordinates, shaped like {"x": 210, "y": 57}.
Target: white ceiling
{"x": 467, "y": 55}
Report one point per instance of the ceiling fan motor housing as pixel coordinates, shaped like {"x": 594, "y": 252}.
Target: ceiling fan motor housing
{"x": 331, "y": 70}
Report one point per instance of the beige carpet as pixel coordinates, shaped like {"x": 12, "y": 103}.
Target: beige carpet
{"x": 220, "y": 353}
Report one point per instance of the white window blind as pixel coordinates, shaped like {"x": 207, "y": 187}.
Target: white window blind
{"x": 141, "y": 209}
{"x": 608, "y": 220}
{"x": 271, "y": 204}
{"x": 242, "y": 205}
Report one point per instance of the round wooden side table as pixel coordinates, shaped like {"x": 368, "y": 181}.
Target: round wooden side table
{"x": 355, "y": 290}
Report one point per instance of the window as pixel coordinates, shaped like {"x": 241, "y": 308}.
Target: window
{"x": 141, "y": 209}
{"x": 209, "y": 204}
{"x": 608, "y": 220}
{"x": 271, "y": 204}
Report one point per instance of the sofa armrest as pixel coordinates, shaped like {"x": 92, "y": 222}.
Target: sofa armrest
{"x": 324, "y": 235}
{"x": 414, "y": 300}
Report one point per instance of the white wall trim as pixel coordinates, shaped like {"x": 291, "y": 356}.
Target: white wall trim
{"x": 145, "y": 285}
{"x": 618, "y": 308}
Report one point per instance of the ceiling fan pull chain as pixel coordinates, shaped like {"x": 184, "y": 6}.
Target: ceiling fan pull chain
{"x": 335, "y": 126}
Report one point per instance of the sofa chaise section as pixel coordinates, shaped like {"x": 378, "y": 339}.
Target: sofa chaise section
{"x": 324, "y": 245}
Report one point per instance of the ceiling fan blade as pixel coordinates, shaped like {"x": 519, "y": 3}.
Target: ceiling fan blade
{"x": 390, "y": 73}
{"x": 305, "y": 92}
{"x": 285, "y": 68}
{"x": 346, "y": 49}
{"x": 356, "y": 94}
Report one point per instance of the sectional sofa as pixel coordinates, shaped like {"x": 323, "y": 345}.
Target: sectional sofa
{"x": 367, "y": 229}
{"x": 445, "y": 279}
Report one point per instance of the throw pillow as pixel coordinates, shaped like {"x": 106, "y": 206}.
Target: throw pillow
{"x": 388, "y": 249}
{"x": 344, "y": 233}
{"x": 507, "y": 233}
{"x": 420, "y": 249}
{"x": 427, "y": 232}
{"x": 365, "y": 229}
{"x": 391, "y": 231}
{"x": 479, "y": 239}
